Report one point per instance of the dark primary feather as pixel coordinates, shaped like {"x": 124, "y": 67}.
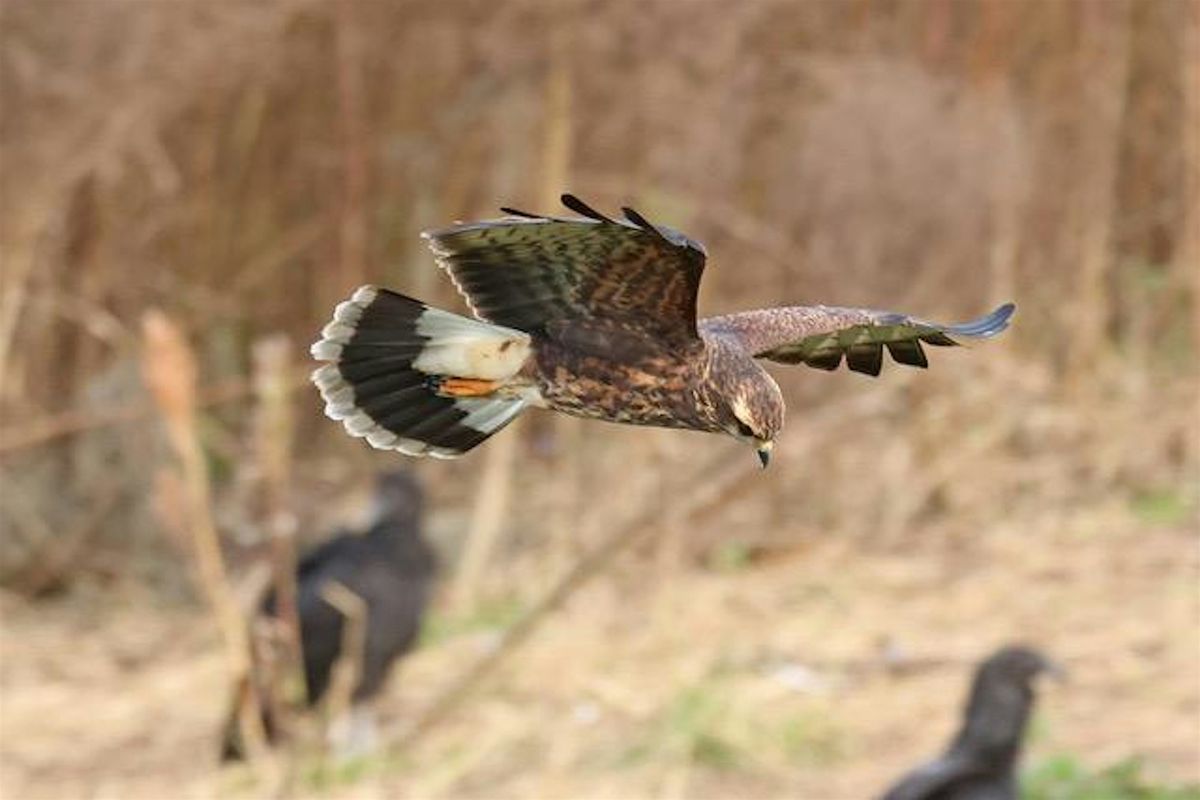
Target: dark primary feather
{"x": 527, "y": 271}
{"x": 820, "y": 336}
{"x": 579, "y": 207}
{"x": 389, "y": 566}
{"x": 982, "y": 759}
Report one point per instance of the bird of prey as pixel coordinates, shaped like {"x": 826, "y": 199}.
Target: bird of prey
{"x": 590, "y": 316}
{"x": 390, "y": 567}
{"x": 981, "y": 761}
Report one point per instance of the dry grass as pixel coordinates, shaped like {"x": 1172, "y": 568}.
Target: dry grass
{"x": 768, "y": 680}
{"x": 241, "y": 165}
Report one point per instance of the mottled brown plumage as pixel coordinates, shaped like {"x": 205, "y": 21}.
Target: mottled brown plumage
{"x": 603, "y": 315}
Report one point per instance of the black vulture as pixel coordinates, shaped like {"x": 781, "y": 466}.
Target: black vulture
{"x": 391, "y": 568}
{"x": 982, "y": 760}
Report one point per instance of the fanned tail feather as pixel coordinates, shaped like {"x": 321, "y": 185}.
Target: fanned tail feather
{"x": 385, "y": 352}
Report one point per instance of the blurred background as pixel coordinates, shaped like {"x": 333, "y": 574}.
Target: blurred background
{"x": 234, "y": 169}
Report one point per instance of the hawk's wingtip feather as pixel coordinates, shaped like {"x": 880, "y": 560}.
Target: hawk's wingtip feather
{"x": 579, "y": 207}
{"x": 986, "y": 326}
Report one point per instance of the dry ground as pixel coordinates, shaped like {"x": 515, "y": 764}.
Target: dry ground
{"x": 766, "y": 679}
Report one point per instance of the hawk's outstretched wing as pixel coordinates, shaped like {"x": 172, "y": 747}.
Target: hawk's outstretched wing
{"x": 524, "y": 271}
{"x": 820, "y": 335}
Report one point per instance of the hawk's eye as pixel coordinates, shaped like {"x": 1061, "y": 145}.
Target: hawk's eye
{"x": 744, "y": 430}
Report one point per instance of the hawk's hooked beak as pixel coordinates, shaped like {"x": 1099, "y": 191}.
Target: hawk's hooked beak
{"x": 764, "y": 453}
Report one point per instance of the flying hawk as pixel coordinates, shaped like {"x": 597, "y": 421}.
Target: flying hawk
{"x": 594, "y": 317}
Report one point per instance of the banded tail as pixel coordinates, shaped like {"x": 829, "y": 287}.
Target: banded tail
{"x": 416, "y": 379}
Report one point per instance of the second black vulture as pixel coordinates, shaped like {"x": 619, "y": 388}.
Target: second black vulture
{"x": 391, "y": 568}
{"x": 982, "y": 759}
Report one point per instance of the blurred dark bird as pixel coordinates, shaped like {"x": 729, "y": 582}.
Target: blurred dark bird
{"x": 390, "y": 567}
{"x": 982, "y": 760}
{"x": 593, "y": 317}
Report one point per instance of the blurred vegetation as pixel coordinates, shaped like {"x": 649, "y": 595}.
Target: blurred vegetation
{"x": 1064, "y": 778}
{"x": 242, "y": 166}
{"x": 491, "y": 616}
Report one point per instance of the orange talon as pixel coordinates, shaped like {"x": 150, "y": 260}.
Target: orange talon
{"x": 465, "y": 387}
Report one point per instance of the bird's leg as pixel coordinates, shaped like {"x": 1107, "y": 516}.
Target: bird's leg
{"x": 461, "y": 387}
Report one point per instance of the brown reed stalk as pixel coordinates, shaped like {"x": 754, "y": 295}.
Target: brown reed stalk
{"x": 556, "y": 176}
{"x": 491, "y": 506}
{"x": 352, "y": 130}
{"x": 21, "y": 259}
{"x": 274, "y": 428}
{"x": 169, "y": 369}
{"x": 1188, "y": 253}
{"x": 1104, "y": 67}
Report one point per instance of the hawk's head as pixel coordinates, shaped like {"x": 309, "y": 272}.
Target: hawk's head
{"x": 754, "y": 411}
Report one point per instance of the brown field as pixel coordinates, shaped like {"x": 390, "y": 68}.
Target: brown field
{"x": 763, "y": 681}
{"x": 233, "y": 169}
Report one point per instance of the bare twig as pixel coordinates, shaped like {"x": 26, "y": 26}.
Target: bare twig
{"x": 47, "y": 568}
{"x": 347, "y": 670}
{"x": 291, "y": 244}
{"x": 70, "y": 423}
{"x": 712, "y": 483}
